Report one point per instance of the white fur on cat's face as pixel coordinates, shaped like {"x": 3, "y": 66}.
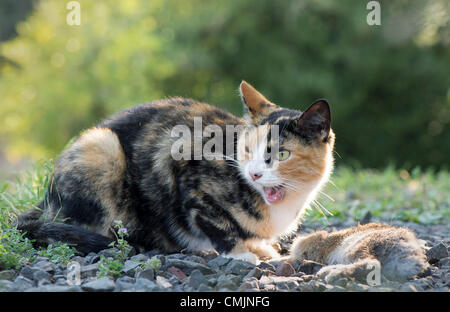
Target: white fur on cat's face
{"x": 252, "y": 155}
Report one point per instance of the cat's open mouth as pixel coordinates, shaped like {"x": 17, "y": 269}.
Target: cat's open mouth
{"x": 274, "y": 194}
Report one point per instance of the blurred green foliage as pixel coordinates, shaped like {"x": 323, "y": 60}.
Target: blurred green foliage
{"x": 388, "y": 85}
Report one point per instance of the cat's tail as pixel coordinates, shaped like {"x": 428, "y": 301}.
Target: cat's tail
{"x": 44, "y": 233}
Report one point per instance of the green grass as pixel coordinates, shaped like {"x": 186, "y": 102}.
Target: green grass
{"x": 16, "y": 196}
{"x": 417, "y": 196}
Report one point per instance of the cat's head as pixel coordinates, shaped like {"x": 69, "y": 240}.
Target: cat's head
{"x": 284, "y": 152}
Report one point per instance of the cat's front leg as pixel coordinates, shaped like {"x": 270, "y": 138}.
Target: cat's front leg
{"x": 229, "y": 244}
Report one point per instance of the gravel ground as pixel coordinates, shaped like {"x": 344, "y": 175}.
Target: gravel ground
{"x": 212, "y": 272}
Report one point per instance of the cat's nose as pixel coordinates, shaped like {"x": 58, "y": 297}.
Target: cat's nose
{"x": 255, "y": 175}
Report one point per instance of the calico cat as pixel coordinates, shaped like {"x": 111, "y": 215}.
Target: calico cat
{"x": 395, "y": 250}
{"x": 123, "y": 169}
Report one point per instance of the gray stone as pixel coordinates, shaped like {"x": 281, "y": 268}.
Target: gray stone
{"x": 409, "y": 287}
{"x": 139, "y": 258}
{"x": 358, "y": 287}
{"x": 143, "y": 284}
{"x": 7, "y": 275}
{"x": 443, "y": 263}
{"x": 212, "y": 282}
{"x": 81, "y": 260}
{"x": 420, "y": 284}
{"x": 379, "y": 289}
{"x": 89, "y": 270}
{"x": 204, "y": 287}
{"x": 148, "y": 274}
{"x": 92, "y": 258}
{"x": 174, "y": 280}
{"x": 58, "y": 288}
{"x": 47, "y": 266}
{"x": 286, "y": 286}
{"x": 437, "y": 252}
{"x": 130, "y": 267}
{"x": 447, "y": 277}
{"x": 335, "y": 288}
{"x": 281, "y": 282}
{"x": 22, "y": 283}
{"x": 101, "y": 284}
{"x": 240, "y": 267}
{"x": 43, "y": 282}
{"x": 176, "y": 256}
{"x": 124, "y": 284}
{"x": 219, "y": 261}
{"x": 5, "y": 285}
{"x": 254, "y": 273}
{"x": 228, "y": 281}
{"x": 196, "y": 279}
{"x": 227, "y": 284}
{"x": 61, "y": 282}
{"x": 126, "y": 279}
{"x": 188, "y": 266}
{"x": 266, "y": 266}
{"x": 195, "y": 258}
{"x": 165, "y": 274}
{"x": 273, "y": 279}
{"x": 40, "y": 275}
{"x": 28, "y": 272}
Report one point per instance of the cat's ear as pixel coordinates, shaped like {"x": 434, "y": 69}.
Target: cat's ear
{"x": 256, "y": 106}
{"x": 315, "y": 122}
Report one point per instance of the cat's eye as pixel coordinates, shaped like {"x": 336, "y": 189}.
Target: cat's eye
{"x": 283, "y": 155}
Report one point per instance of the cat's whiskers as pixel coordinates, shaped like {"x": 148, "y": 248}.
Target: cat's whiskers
{"x": 322, "y": 207}
{"x": 326, "y": 195}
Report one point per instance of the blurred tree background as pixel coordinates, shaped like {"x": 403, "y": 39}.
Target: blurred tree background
{"x": 388, "y": 85}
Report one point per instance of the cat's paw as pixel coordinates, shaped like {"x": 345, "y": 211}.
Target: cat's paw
{"x": 246, "y": 256}
{"x": 264, "y": 251}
